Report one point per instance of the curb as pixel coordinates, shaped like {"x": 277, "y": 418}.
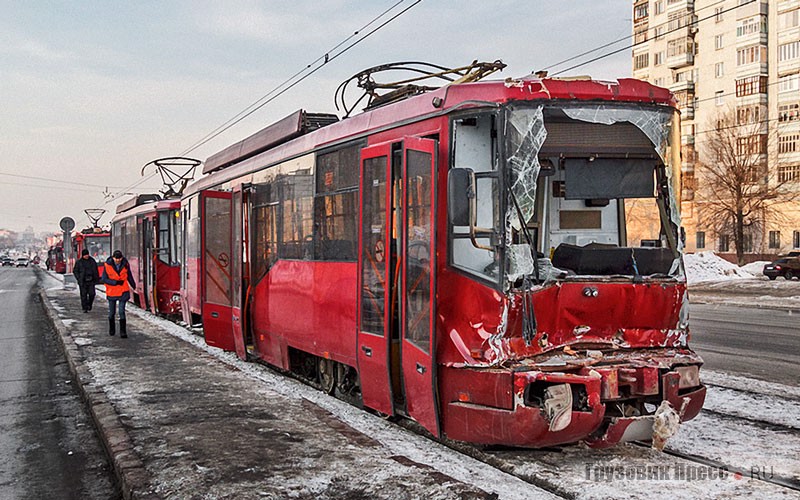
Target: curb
{"x": 129, "y": 469}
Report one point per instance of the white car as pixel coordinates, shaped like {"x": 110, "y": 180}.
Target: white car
{"x": 22, "y": 262}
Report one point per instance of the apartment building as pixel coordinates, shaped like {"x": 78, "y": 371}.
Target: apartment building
{"x": 742, "y": 56}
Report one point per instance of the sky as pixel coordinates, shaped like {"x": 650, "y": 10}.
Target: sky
{"x": 91, "y": 91}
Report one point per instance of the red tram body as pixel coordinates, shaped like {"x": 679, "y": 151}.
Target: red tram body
{"x": 147, "y": 231}
{"x": 499, "y": 261}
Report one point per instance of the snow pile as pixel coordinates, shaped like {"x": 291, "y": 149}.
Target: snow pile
{"x": 707, "y": 266}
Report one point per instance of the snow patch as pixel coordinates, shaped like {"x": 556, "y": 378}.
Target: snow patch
{"x": 707, "y": 266}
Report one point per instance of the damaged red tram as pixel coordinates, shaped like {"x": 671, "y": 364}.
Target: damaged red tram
{"x": 146, "y": 228}
{"x": 97, "y": 241}
{"x": 499, "y": 261}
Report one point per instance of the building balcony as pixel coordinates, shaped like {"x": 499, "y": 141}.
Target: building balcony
{"x": 687, "y": 139}
{"x": 679, "y": 61}
{"x": 751, "y": 9}
{"x": 687, "y": 86}
{"x": 680, "y": 5}
{"x": 687, "y": 112}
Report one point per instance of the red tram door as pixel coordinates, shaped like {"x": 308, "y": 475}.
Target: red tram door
{"x": 418, "y": 281}
{"x": 396, "y": 359}
{"x": 237, "y": 261}
{"x": 216, "y": 269}
{"x": 374, "y": 318}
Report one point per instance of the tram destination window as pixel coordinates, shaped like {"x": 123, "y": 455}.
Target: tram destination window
{"x": 336, "y": 205}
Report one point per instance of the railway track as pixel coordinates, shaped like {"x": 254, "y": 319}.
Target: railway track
{"x": 570, "y": 472}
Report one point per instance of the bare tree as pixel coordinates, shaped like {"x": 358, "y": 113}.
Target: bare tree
{"x": 739, "y": 188}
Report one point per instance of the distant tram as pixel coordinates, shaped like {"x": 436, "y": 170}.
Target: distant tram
{"x": 97, "y": 241}
{"x": 146, "y": 228}
{"x": 499, "y": 261}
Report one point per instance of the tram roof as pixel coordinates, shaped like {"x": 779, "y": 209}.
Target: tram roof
{"x": 441, "y": 101}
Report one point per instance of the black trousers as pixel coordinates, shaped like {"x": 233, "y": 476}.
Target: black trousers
{"x": 87, "y": 295}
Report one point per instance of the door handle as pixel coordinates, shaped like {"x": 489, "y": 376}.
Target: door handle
{"x": 420, "y": 368}
{"x": 367, "y": 350}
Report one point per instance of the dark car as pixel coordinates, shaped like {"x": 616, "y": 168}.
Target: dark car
{"x": 7, "y": 261}
{"x": 788, "y": 267}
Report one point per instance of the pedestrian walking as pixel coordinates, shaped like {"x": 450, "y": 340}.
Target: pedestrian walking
{"x": 118, "y": 279}
{"x": 87, "y": 276}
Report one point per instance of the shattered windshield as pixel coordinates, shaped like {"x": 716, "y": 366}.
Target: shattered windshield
{"x": 591, "y": 192}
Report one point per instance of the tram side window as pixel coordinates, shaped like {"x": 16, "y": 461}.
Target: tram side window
{"x": 163, "y": 238}
{"x": 265, "y": 229}
{"x": 297, "y": 216}
{"x": 193, "y": 229}
{"x": 118, "y": 235}
{"x": 475, "y": 147}
{"x": 336, "y": 205}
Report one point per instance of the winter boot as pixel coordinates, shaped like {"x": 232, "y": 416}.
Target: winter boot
{"x": 123, "y": 332}
{"x": 112, "y": 329}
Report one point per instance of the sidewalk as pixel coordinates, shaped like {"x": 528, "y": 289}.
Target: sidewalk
{"x": 183, "y": 420}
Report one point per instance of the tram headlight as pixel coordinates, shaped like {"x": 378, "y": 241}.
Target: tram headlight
{"x": 690, "y": 376}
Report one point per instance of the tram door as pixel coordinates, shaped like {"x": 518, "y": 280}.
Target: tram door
{"x": 237, "y": 232}
{"x": 216, "y": 269}
{"x": 375, "y": 318}
{"x": 417, "y": 295}
{"x": 395, "y": 336}
{"x": 146, "y": 264}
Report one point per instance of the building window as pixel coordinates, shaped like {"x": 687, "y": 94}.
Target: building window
{"x": 751, "y": 54}
{"x": 718, "y": 14}
{"x": 788, "y": 143}
{"x": 788, "y": 51}
{"x": 724, "y": 243}
{"x": 658, "y": 32}
{"x": 639, "y": 11}
{"x": 658, "y": 58}
{"x": 747, "y": 243}
{"x": 718, "y": 42}
{"x": 788, "y": 20}
{"x": 789, "y": 112}
{"x": 796, "y": 239}
{"x": 751, "y": 25}
{"x": 719, "y": 70}
{"x": 680, "y": 46}
{"x": 774, "y": 239}
{"x": 641, "y": 60}
{"x": 719, "y": 97}
{"x": 658, "y": 7}
{"x": 751, "y": 85}
{"x": 701, "y": 239}
{"x": 789, "y": 83}
{"x": 788, "y": 173}
{"x": 750, "y": 114}
{"x": 751, "y": 145}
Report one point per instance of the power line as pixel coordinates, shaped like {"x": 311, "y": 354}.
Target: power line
{"x": 326, "y": 58}
{"x": 645, "y": 41}
{"x": 58, "y": 181}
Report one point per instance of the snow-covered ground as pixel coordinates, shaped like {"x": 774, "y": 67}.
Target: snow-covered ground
{"x": 707, "y": 266}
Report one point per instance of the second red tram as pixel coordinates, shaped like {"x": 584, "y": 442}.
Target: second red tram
{"x": 146, "y": 229}
{"x": 499, "y": 261}
{"x": 96, "y": 241}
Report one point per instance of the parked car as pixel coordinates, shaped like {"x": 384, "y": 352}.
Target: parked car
{"x": 7, "y": 261}
{"x": 22, "y": 262}
{"x": 788, "y": 267}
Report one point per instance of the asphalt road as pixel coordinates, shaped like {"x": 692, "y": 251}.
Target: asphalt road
{"x": 761, "y": 343}
{"x": 48, "y": 445}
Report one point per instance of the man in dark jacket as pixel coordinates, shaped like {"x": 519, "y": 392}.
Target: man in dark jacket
{"x": 119, "y": 280}
{"x": 86, "y": 274}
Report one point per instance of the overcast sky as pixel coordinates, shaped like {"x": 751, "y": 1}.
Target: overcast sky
{"x": 91, "y": 91}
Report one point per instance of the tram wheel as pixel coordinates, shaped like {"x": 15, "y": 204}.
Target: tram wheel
{"x": 327, "y": 377}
